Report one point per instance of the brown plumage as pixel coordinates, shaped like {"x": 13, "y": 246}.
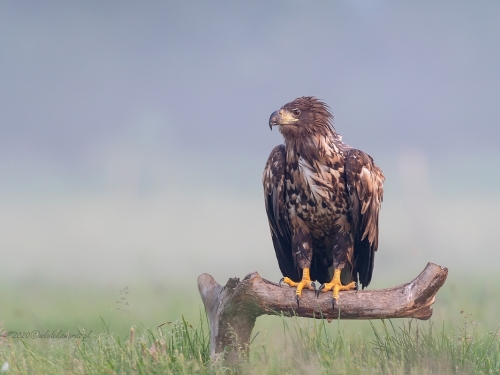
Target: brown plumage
{"x": 322, "y": 197}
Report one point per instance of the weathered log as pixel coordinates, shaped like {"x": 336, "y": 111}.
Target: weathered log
{"x": 233, "y": 309}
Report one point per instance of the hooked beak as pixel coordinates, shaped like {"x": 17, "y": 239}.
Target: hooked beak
{"x": 274, "y": 119}
{"x": 281, "y": 117}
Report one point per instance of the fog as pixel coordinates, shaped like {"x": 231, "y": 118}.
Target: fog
{"x": 134, "y": 135}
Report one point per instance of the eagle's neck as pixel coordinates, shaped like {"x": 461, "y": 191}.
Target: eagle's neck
{"x": 314, "y": 147}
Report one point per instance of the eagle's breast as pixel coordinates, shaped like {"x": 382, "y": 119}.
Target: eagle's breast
{"x": 316, "y": 193}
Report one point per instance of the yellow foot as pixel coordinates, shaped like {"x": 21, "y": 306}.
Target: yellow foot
{"x": 336, "y": 285}
{"x": 304, "y": 283}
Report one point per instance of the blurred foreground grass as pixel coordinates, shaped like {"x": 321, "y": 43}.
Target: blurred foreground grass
{"x": 460, "y": 338}
{"x": 40, "y": 306}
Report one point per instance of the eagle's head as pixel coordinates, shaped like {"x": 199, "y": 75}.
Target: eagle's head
{"x": 303, "y": 117}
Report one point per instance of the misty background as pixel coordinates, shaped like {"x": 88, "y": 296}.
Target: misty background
{"x": 133, "y": 135}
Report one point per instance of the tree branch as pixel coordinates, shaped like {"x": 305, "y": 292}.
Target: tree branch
{"x": 233, "y": 309}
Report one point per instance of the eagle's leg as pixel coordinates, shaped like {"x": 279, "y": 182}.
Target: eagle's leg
{"x": 336, "y": 285}
{"x": 302, "y": 252}
{"x": 343, "y": 251}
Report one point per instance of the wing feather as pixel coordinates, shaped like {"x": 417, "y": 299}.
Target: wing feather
{"x": 365, "y": 185}
{"x": 273, "y": 180}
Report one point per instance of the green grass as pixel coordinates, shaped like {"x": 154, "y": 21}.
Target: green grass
{"x": 309, "y": 346}
{"x": 170, "y": 335}
{"x": 180, "y": 349}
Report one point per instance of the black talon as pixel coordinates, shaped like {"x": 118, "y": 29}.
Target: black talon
{"x": 281, "y": 280}
{"x": 314, "y": 286}
{"x": 297, "y": 297}
{"x": 321, "y": 287}
{"x": 333, "y": 303}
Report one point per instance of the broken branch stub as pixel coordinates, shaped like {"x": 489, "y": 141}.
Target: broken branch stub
{"x": 233, "y": 309}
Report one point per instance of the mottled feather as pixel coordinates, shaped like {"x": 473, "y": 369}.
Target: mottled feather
{"x": 322, "y": 196}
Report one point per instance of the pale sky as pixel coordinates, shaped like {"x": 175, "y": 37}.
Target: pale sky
{"x": 134, "y": 134}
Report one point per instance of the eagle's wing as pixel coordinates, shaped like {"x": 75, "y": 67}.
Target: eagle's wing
{"x": 364, "y": 182}
{"x": 274, "y": 195}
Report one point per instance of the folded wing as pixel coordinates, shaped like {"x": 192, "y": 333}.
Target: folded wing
{"x": 365, "y": 186}
{"x": 274, "y": 195}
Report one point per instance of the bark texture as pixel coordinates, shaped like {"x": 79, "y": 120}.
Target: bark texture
{"x": 233, "y": 309}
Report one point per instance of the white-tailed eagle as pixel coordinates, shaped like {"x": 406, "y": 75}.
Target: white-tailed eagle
{"x": 322, "y": 199}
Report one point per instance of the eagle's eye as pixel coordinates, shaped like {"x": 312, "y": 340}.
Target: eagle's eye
{"x": 296, "y": 111}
